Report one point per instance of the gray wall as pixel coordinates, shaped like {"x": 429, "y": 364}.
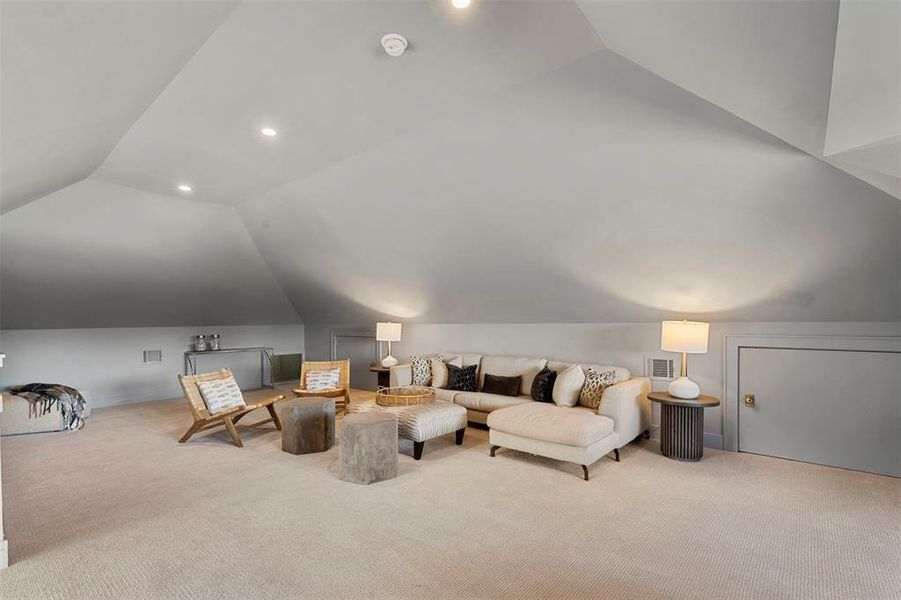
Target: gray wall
{"x": 107, "y": 363}
{"x": 622, "y": 344}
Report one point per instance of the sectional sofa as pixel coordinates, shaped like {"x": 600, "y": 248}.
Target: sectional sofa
{"x": 574, "y": 434}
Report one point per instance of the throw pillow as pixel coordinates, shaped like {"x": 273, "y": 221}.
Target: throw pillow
{"x": 422, "y": 369}
{"x": 439, "y": 373}
{"x": 503, "y": 386}
{"x": 461, "y": 379}
{"x": 568, "y": 386}
{"x": 322, "y": 380}
{"x": 543, "y": 385}
{"x": 220, "y": 394}
{"x": 593, "y": 390}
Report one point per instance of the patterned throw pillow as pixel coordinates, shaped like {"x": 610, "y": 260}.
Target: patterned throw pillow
{"x": 543, "y": 385}
{"x": 461, "y": 379}
{"x": 593, "y": 390}
{"x": 422, "y": 369}
{"x": 322, "y": 380}
{"x": 220, "y": 394}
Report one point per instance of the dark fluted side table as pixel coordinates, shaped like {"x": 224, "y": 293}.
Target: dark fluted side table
{"x": 682, "y": 425}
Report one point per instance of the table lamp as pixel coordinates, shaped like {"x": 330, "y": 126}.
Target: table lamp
{"x": 388, "y": 332}
{"x": 687, "y": 337}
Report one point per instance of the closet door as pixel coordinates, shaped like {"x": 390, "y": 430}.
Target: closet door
{"x": 831, "y": 407}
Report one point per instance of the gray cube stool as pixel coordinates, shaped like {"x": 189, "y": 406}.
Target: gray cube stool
{"x": 308, "y": 425}
{"x": 368, "y": 447}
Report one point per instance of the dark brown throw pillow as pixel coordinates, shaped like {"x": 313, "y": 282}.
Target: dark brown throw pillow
{"x": 543, "y": 385}
{"x": 461, "y": 379}
{"x": 502, "y": 386}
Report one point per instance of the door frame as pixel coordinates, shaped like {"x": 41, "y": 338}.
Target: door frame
{"x": 352, "y": 332}
{"x": 734, "y": 343}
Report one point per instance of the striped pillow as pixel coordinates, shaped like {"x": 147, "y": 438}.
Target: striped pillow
{"x": 323, "y": 380}
{"x": 221, "y": 394}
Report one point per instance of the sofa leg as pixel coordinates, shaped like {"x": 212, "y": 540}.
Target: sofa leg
{"x": 646, "y": 434}
{"x": 616, "y": 454}
{"x": 460, "y": 434}
{"x": 417, "y": 450}
{"x": 494, "y": 449}
{"x": 585, "y": 472}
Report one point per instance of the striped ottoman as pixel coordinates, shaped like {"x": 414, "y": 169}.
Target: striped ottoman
{"x": 420, "y": 422}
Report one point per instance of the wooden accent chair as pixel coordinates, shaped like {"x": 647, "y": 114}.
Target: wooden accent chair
{"x": 343, "y": 388}
{"x": 228, "y": 418}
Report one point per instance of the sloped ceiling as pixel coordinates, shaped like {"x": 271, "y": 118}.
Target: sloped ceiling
{"x": 75, "y": 77}
{"x": 101, "y": 255}
{"x": 524, "y": 161}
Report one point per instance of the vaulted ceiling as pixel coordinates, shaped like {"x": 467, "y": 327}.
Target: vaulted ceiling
{"x": 523, "y": 161}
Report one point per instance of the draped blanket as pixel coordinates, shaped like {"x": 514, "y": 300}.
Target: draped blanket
{"x": 43, "y": 396}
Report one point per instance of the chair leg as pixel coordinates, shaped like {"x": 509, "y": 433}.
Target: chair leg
{"x": 417, "y": 450}
{"x": 274, "y": 415}
{"x": 585, "y": 472}
{"x": 191, "y": 431}
{"x": 460, "y": 434}
{"x": 230, "y": 426}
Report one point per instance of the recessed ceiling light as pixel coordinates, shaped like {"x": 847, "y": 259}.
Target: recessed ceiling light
{"x": 184, "y": 187}
{"x": 268, "y": 132}
{"x": 461, "y": 3}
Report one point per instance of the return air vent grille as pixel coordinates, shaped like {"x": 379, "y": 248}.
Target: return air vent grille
{"x": 153, "y": 356}
{"x": 660, "y": 368}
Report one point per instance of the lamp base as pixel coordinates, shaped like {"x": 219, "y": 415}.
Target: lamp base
{"x": 389, "y": 361}
{"x": 684, "y": 388}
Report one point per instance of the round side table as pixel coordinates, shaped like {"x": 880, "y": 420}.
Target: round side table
{"x": 682, "y": 425}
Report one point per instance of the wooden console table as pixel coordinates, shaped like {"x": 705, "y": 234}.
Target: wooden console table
{"x": 682, "y": 425}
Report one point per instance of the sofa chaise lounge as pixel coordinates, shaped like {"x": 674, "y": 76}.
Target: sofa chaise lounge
{"x": 573, "y": 434}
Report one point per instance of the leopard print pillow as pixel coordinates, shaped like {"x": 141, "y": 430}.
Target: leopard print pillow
{"x": 422, "y": 369}
{"x": 593, "y": 390}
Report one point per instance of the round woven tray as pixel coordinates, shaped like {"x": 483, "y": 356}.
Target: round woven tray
{"x": 404, "y": 396}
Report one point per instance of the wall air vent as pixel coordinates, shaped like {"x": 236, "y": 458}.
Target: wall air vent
{"x": 659, "y": 369}
{"x": 153, "y": 356}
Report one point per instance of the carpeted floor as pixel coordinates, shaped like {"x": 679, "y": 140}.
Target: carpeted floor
{"x": 120, "y": 510}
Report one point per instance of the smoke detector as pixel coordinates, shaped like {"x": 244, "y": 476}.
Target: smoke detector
{"x": 394, "y": 44}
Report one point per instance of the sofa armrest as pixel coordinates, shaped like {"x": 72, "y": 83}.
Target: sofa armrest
{"x": 400, "y": 375}
{"x": 627, "y": 404}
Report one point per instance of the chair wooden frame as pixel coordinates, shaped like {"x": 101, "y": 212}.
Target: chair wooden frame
{"x": 343, "y": 388}
{"x": 229, "y": 418}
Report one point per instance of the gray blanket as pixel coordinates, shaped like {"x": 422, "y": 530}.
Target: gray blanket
{"x": 43, "y": 396}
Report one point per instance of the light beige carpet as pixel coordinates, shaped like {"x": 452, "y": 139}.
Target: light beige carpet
{"x": 120, "y": 510}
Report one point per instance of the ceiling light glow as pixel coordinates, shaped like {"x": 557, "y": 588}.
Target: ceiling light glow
{"x": 184, "y": 187}
{"x": 461, "y": 3}
{"x": 269, "y": 131}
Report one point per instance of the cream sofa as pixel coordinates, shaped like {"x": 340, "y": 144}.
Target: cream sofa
{"x": 573, "y": 434}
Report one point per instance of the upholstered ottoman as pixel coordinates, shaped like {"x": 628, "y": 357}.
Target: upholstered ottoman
{"x": 421, "y": 422}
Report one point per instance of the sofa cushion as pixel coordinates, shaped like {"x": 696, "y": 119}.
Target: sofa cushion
{"x": 593, "y": 389}
{"x": 463, "y": 380}
{"x": 487, "y": 402}
{"x": 439, "y": 372}
{"x": 576, "y": 426}
{"x": 622, "y": 374}
{"x": 503, "y": 386}
{"x": 445, "y": 395}
{"x": 568, "y": 386}
{"x": 543, "y": 385}
{"x": 512, "y": 366}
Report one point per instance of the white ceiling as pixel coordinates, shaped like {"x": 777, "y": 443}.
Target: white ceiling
{"x": 524, "y": 161}
{"x": 76, "y": 75}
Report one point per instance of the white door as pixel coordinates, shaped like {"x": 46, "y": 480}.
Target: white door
{"x": 831, "y": 407}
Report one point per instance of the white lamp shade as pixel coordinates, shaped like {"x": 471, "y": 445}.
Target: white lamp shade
{"x": 684, "y": 336}
{"x": 387, "y": 332}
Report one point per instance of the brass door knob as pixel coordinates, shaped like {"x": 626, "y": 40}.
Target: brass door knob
{"x": 749, "y": 399}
